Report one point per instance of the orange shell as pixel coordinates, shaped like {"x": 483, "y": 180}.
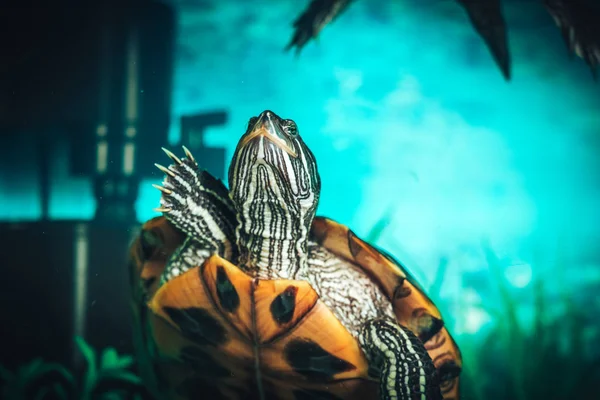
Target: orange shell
{"x": 412, "y": 306}
{"x": 247, "y": 335}
{"x": 251, "y": 335}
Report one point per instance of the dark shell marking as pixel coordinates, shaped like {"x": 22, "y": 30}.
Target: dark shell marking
{"x": 422, "y": 323}
{"x": 148, "y": 252}
{"x": 353, "y": 243}
{"x": 282, "y": 308}
{"x": 271, "y": 344}
{"x": 303, "y": 356}
{"x": 437, "y": 341}
{"x": 202, "y": 362}
{"x": 311, "y": 360}
{"x": 228, "y": 296}
{"x": 412, "y": 307}
{"x": 198, "y": 325}
{"x": 449, "y": 370}
{"x": 425, "y": 325}
{"x": 402, "y": 290}
{"x": 150, "y": 241}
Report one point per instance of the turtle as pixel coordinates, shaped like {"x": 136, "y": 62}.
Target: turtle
{"x": 576, "y": 19}
{"x": 298, "y": 307}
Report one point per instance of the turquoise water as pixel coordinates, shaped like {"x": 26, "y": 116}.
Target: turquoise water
{"x": 415, "y": 130}
{"x": 410, "y": 121}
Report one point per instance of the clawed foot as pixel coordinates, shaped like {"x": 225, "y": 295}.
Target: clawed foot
{"x": 197, "y": 203}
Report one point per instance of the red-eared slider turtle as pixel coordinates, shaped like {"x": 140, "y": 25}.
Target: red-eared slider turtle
{"x": 263, "y": 300}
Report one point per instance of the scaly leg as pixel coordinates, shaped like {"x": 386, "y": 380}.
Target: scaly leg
{"x": 198, "y": 205}
{"x": 399, "y": 358}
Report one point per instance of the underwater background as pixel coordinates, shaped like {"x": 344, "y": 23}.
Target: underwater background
{"x": 487, "y": 190}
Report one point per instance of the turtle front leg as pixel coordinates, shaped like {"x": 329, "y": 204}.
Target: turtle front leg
{"x": 399, "y": 358}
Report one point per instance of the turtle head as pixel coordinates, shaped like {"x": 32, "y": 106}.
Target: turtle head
{"x": 275, "y": 186}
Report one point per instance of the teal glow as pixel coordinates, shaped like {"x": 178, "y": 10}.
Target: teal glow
{"x": 489, "y": 190}
{"x": 519, "y": 275}
{"x": 413, "y": 121}
{"x": 407, "y": 119}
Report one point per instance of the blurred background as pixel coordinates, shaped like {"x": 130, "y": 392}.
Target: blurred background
{"x": 487, "y": 190}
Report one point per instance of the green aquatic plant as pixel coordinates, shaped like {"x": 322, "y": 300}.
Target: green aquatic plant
{"x": 106, "y": 376}
{"x": 546, "y": 359}
{"x": 36, "y": 380}
{"x": 380, "y": 226}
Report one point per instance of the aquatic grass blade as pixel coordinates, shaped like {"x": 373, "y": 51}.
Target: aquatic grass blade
{"x": 109, "y": 358}
{"x": 91, "y": 372}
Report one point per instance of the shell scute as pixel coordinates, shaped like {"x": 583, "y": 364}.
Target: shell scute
{"x": 230, "y": 290}
{"x": 412, "y": 307}
{"x": 280, "y": 305}
{"x": 287, "y": 313}
{"x": 319, "y": 347}
{"x": 198, "y": 321}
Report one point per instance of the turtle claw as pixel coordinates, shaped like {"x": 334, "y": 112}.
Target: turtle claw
{"x": 162, "y": 189}
{"x": 188, "y": 154}
{"x": 172, "y": 156}
{"x": 186, "y": 190}
{"x": 165, "y": 170}
{"x": 162, "y": 209}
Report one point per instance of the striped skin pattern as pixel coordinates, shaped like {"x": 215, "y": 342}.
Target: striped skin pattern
{"x": 440, "y": 347}
{"x": 275, "y": 202}
{"x": 275, "y": 186}
{"x": 401, "y": 356}
{"x": 393, "y": 351}
{"x": 192, "y": 253}
{"x": 345, "y": 288}
{"x": 198, "y": 205}
{"x": 231, "y": 336}
{"x": 412, "y": 307}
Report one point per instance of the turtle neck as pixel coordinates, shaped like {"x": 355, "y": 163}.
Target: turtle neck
{"x": 274, "y": 246}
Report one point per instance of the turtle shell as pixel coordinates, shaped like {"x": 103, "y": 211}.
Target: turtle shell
{"x": 209, "y": 330}
{"x": 412, "y": 307}
{"x": 148, "y": 255}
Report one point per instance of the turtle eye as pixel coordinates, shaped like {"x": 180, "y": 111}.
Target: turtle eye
{"x": 290, "y": 128}
{"x": 251, "y": 122}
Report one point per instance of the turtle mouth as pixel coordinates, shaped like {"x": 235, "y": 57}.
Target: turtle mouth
{"x": 267, "y": 128}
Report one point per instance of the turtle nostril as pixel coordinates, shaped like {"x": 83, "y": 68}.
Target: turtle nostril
{"x": 267, "y": 114}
